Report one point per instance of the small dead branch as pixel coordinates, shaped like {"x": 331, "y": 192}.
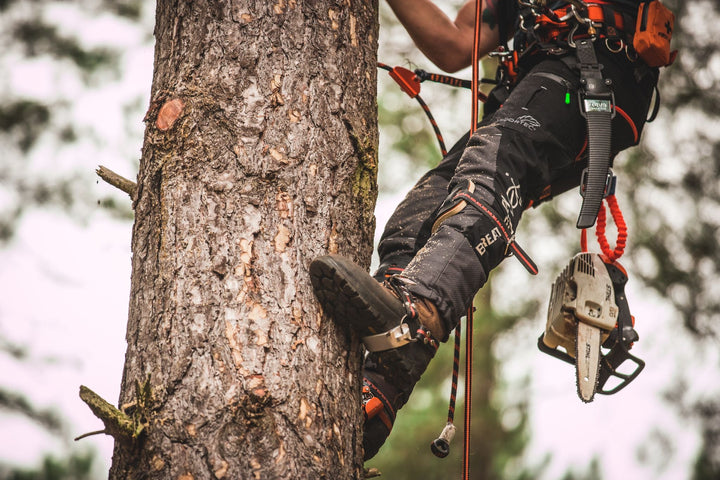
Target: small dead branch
{"x": 90, "y": 434}
{"x": 117, "y": 181}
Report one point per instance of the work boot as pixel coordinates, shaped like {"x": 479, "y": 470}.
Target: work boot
{"x": 395, "y": 331}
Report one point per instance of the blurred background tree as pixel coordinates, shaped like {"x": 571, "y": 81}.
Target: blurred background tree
{"x": 72, "y": 93}
{"x": 60, "y": 58}
{"x": 77, "y": 77}
{"x": 676, "y": 214}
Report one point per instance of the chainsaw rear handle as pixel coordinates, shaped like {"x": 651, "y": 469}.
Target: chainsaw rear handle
{"x": 617, "y": 356}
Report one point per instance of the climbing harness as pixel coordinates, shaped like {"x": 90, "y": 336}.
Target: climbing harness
{"x": 577, "y": 27}
{"x": 639, "y": 32}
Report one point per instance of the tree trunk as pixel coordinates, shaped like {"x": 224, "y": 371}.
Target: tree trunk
{"x": 259, "y": 155}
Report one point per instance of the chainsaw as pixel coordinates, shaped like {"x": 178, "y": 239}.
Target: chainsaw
{"x": 589, "y": 325}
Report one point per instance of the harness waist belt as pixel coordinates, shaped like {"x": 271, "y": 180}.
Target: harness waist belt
{"x": 603, "y": 16}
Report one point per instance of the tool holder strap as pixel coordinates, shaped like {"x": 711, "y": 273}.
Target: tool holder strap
{"x": 597, "y": 105}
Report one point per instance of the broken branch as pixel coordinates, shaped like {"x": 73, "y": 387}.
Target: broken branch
{"x": 117, "y": 424}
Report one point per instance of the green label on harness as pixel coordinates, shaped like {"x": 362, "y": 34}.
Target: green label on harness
{"x": 597, "y": 105}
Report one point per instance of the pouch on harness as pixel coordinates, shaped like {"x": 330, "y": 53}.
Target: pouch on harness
{"x": 653, "y": 33}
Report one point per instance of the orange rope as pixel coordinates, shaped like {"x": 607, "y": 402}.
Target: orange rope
{"x": 620, "y": 242}
{"x": 583, "y": 240}
{"x": 621, "y": 228}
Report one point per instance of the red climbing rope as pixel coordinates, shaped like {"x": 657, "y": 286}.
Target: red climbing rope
{"x": 468, "y": 391}
{"x": 469, "y": 318}
{"x": 475, "y": 88}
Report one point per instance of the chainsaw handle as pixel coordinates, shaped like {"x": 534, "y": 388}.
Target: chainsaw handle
{"x": 618, "y": 355}
{"x": 620, "y": 351}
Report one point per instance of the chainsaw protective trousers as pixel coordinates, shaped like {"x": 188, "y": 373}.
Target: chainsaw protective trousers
{"x": 526, "y": 151}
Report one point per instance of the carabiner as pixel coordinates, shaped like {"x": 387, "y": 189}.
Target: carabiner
{"x": 573, "y": 30}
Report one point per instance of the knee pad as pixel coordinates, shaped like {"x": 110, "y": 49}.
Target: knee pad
{"x": 485, "y": 232}
{"x": 452, "y": 206}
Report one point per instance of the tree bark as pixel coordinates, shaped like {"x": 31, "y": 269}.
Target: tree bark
{"x": 260, "y": 154}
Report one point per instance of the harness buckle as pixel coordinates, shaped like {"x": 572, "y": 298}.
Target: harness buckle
{"x": 610, "y": 183}
{"x": 598, "y": 103}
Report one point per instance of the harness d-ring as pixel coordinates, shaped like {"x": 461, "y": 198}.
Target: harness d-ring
{"x": 618, "y": 49}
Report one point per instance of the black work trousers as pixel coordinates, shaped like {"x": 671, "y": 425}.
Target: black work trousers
{"x": 527, "y": 150}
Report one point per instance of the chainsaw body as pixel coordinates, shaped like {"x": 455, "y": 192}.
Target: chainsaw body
{"x": 589, "y": 325}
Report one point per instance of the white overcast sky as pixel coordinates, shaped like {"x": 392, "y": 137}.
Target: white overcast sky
{"x": 64, "y": 288}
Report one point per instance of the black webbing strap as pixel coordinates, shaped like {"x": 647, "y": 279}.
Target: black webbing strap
{"x": 597, "y": 106}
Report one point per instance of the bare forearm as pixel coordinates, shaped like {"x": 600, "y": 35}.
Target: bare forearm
{"x": 445, "y": 42}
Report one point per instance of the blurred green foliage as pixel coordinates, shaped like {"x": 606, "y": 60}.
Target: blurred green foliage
{"x": 40, "y": 55}
{"x": 670, "y": 190}
{"x": 77, "y": 466}
{"x": 31, "y": 124}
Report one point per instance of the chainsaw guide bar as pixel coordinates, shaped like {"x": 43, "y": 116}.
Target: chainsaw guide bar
{"x": 587, "y": 365}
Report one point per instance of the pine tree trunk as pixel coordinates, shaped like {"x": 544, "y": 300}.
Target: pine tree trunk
{"x": 259, "y": 155}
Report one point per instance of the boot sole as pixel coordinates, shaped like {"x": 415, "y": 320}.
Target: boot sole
{"x": 352, "y": 297}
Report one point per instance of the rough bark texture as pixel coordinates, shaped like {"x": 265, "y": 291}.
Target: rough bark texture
{"x": 259, "y": 155}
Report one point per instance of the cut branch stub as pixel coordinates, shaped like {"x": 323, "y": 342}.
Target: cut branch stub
{"x": 169, "y": 112}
